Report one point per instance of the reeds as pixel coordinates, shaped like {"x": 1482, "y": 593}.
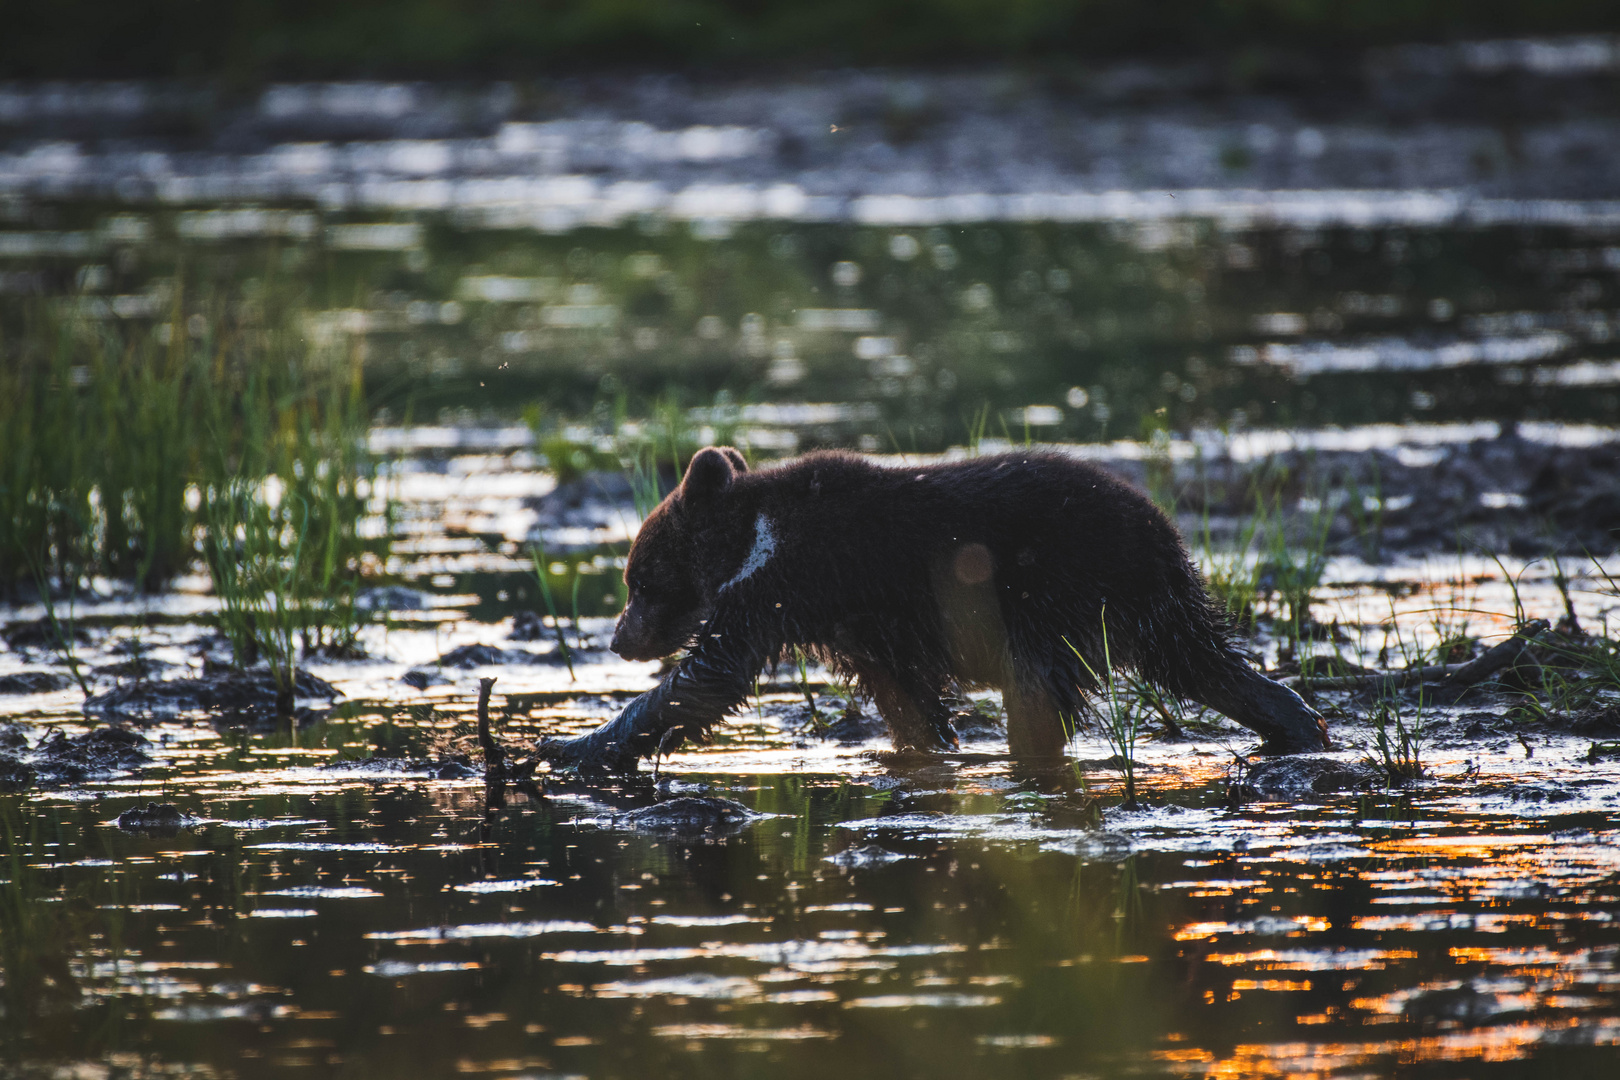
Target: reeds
{"x": 1232, "y": 573}
{"x": 129, "y": 450}
{"x": 652, "y": 448}
{"x": 801, "y": 669}
{"x": 1121, "y": 718}
{"x": 1397, "y": 732}
{"x": 98, "y": 442}
{"x": 1276, "y": 563}
{"x": 64, "y": 638}
{"x": 246, "y": 548}
{"x": 1579, "y": 670}
{"x": 541, "y": 575}
{"x": 1397, "y": 738}
{"x": 284, "y": 508}
{"x": 1293, "y": 567}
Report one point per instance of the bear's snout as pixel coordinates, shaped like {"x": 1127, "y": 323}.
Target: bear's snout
{"x": 620, "y": 643}
{"x": 631, "y": 639}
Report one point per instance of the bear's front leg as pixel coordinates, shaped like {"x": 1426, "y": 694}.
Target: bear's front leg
{"x": 617, "y": 745}
{"x": 707, "y": 685}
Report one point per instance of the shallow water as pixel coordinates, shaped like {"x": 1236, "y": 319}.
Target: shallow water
{"x": 950, "y": 918}
{"x": 332, "y": 906}
{"x": 870, "y": 256}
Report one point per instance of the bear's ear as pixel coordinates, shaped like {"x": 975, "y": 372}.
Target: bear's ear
{"x": 735, "y": 456}
{"x": 709, "y": 473}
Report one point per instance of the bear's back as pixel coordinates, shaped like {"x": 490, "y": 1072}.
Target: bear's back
{"x": 1017, "y": 490}
{"x": 838, "y": 517}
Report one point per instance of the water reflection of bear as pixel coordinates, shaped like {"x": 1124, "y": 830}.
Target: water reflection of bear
{"x": 915, "y": 581}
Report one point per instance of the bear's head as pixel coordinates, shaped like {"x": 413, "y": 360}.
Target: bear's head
{"x": 668, "y": 577}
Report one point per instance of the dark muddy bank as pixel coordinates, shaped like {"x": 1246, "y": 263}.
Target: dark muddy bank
{"x": 1506, "y": 494}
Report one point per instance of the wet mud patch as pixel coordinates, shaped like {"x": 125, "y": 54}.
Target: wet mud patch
{"x": 161, "y": 818}
{"x": 1506, "y": 493}
{"x": 57, "y": 759}
{"x": 41, "y": 636}
{"x": 34, "y": 682}
{"x": 249, "y": 693}
{"x": 422, "y": 678}
{"x": 467, "y": 657}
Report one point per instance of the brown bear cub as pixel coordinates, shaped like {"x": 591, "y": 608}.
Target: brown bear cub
{"x": 915, "y": 582}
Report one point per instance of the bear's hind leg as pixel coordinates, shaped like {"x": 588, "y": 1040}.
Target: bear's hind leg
{"x": 916, "y": 716}
{"x": 1034, "y": 724}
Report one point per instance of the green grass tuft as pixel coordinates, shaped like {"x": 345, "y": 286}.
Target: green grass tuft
{"x": 128, "y": 451}
{"x": 1121, "y": 717}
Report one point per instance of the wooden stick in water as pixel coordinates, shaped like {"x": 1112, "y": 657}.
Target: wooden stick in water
{"x": 494, "y": 756}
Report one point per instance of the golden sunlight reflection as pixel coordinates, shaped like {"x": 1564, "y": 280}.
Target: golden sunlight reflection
{"x": 1301, "y": 1060}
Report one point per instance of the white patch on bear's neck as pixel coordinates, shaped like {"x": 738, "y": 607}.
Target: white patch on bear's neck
{"x": 758, "y": 555}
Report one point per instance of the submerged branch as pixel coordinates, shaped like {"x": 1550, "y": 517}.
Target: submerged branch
{"x": 1477, "y": 670}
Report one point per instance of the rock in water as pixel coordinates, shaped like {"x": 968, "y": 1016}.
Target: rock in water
{"x": 140, "y": 668}
{"x": 471, "y": 656}
{"x": 422, "y": 678}
{"x": 61, "y": 760}
{"x": 854, "y": 727}
{"x": 529, "y": 626}
{"x": 1304, "y": 777}
{"x": 153, "y": 817}
{"x": 41, "y": 634}
{"x": 33, "y": 682}
{"x": 691, "y": 815}
{"x": 104, "y": 749}
{"x": 15, "y": 775}
{"x": 391, "y": 598}
{"x": 867, "y": 855}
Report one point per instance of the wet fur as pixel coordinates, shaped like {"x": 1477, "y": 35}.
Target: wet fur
{"x": 915, "y": 581}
